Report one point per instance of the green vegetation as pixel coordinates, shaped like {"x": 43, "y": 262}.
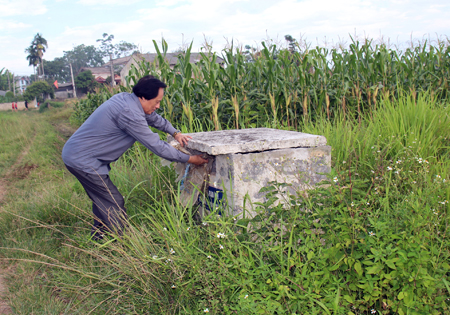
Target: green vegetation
{"x": 85, "y": 81}
{"x": 50, "y": 104}
{"x": 80, "y": 56}
{"x": 36, "y": 52}
{"x": 291, "y": 86}
{"x": 39, "y": 90}
{"x": 6, "y": 80}
{"x": 376, "y": 238}
{"x": 373, "y": 240}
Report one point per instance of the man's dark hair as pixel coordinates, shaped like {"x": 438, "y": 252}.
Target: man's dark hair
{"x": 148, "y": 87}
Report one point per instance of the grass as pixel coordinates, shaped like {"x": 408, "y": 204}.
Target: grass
{"x": 374, "y": 240}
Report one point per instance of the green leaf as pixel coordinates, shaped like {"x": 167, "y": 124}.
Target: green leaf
{"x": 349, "y": 299}
{"x": 358, "y": 268}
{"x": 375, "y": 269}
{"x": 390, "y": 264}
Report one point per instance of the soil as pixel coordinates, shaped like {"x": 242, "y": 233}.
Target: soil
{"x": 4, "y": 307}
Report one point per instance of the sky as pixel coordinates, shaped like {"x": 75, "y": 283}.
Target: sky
{"x": 68, "y": 23}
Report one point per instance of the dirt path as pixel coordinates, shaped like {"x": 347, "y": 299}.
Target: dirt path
{"x": 4, "y": 307}
{"x": 15, "y": 171}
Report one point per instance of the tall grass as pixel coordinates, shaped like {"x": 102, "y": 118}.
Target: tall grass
{"x": 374, "y": 240}
{"x": 287, "y": 86}
{"x": 291, "y": 84}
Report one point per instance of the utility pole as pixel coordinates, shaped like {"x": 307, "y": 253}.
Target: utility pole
{"x": 73, "y": 82}
{"x": 113, "y": 82}
{"x": 9, "y": 83}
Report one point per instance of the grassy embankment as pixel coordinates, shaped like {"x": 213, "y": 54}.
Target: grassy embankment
{"x": 376, "y": 240}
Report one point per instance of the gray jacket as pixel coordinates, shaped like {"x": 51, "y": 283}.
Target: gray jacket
{"x": 111, "y": 130}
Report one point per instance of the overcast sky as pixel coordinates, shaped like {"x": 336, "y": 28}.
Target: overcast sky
{"x": 66, "y": 24}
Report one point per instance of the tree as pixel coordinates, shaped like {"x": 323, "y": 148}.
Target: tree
{"x": 84, "y": 56}
{"x": 292, "y": 43}
{"x": 36, "y": 52}
{"x": 118, "y": 50}
{"x": 6, "y": 79}
{"x": 33, "y": 58}
{"x": 57, "y": 69}
{"x": 40, "y": 43}
{"x": 39, "y": 90}
{"x": 85, "y": 81}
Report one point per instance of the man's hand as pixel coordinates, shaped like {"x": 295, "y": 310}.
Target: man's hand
{"x": 197, "y": 160}
{"x": 182, "y": 139}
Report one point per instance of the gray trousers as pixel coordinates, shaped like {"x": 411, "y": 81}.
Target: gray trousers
{"x": 107, "y": 203}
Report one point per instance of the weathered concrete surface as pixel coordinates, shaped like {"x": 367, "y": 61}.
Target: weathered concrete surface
{"x": 246, "y": 160}
{"x": 250, "y": 140}
{"x": 243, "y": 175}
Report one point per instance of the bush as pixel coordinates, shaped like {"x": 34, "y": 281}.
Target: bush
{"x": 50, "y": 103}
{"x": 373, "y": 240}
{"x": 39, "y": 90}
{"x": 85, "y": 81}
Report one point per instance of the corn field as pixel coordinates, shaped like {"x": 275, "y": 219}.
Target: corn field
{"x": 273, "y": 87}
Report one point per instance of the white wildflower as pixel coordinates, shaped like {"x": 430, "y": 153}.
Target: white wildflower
{"x": 371, "y": 233}
{"x": 172, "y": 251}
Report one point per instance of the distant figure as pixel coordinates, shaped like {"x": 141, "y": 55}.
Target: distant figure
{"x": 13, "y": 108}
{"x": 15, "y": 105}
{"x": 26, "y": 105}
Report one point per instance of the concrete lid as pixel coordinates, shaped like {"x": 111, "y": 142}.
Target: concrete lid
{"x": 251, "y": 140}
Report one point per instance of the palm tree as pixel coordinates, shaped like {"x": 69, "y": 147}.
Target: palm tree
{"x": 33, "y": 57}
{"x": 36, "y": 52}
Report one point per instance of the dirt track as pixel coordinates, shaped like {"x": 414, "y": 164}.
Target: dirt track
{"x": 15, "y": 171}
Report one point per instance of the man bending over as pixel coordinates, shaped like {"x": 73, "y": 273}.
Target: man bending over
{"x": 111, "y": 130}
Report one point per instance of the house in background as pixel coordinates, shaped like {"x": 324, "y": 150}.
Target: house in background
{"x": 64, "y": 90}
{"x": 119, "y": 62}
{"x": 172, "y": 58}
{"x": 101, "y": 74}
{"x": 22, "y": 83}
